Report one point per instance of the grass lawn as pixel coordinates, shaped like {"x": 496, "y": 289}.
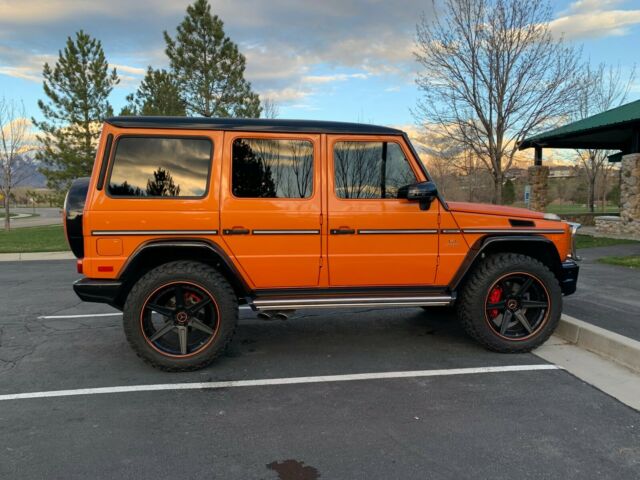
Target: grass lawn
{"x": 33, "y": 239}
{"x": 577, "y": 209}
{"x": 632, "y": 261}
{"x": 587, "y": 241}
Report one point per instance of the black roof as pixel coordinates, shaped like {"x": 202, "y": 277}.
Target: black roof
{"x": 252, "y": 125}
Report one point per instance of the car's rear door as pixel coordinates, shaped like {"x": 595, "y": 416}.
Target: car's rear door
{"x": 271, "y": 207}
{"x": 376, "y": 239}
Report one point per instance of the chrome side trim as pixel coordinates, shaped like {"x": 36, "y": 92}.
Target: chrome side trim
{"x": 297, "y": 306}
{"x": 286, "y": 232}
{"x": 335, "y": 302}
{"x": 451, "y": 231}
{"x": 511, "y": 230}
{"x": 106, "y": 233}
{"x": 397, "y": 232}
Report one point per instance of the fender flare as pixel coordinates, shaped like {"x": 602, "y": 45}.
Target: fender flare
{"x": 212, "y": 253}
{"x": 487, "y": 242}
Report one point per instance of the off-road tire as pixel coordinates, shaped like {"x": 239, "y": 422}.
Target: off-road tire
{"x": 187, "y": 271}
{"x": 471, "y": 306}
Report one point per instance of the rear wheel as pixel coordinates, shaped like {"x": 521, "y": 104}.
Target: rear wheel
{"x": 180, "y": 316}
{"x": 510, "y": 303}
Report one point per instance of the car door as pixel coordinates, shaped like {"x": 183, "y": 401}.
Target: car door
{"x": 271, "y": 207}
{"x": 376, "y": 239}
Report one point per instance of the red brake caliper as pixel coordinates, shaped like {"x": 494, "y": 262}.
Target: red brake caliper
{"x": 494, "y": 297}
{"x": 193, "y": 298}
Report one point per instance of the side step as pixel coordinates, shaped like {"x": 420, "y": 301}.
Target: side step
{"x": 342, "y": 301}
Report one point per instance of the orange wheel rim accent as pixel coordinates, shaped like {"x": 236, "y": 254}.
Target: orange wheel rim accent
{"x": 511, "y": 303}
{"x": 201, "y": 347}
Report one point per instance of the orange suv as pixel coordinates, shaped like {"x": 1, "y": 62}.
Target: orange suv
{"x": 185, "y": 219}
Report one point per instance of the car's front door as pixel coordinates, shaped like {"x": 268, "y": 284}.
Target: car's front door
{"x": 271, "y": 207}
{"x": 376, "y": 239}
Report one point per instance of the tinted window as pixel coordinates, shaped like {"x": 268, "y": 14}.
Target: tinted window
{"x": 270, "y": 168}
{"x": 160, "y": 167}
{"x": 370, "y": 169}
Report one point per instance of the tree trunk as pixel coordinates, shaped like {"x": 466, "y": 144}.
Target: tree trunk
{"x": 591, "y": 193}
{"x": 7, "y": 218}
{"x": 497, "y": 189}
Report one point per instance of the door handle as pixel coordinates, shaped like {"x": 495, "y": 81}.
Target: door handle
{"x": 236, "y": 231}
{"x": 343, "y": 231}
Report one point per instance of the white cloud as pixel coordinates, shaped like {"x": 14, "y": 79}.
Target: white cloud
{"x": 341, "y": 77}
{"x": 595, "y": 18}
{"x": 290, "y": 45}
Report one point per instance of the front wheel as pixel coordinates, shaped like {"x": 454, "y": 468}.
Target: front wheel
{"x": 180, "y": 316}
{"x": 510, "y": 303}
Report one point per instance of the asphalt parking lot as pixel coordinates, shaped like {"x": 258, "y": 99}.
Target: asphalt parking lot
{"x": 529, "y": 423}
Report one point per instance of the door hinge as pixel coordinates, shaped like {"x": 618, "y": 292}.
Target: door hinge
{"x": 321, "y": 219}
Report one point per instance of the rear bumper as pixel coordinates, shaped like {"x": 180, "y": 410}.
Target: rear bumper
{"x": 99, "y": 291}
{"x": 569, "y": 277}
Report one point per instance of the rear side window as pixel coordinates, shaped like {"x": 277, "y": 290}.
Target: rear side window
{"x": 370, "y": 169}
{"x": 151, "y": 167}
{"x": 272, "y": 168}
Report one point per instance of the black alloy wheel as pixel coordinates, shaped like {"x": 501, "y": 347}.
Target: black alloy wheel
{"x": 179, "y": 319}
{"x": 517, "y": 306}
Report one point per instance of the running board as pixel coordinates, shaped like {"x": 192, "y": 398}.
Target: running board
{"x": 265, "y": 304}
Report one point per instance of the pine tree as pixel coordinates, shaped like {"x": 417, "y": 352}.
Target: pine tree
{"x": 508, "y": 192}
{"x": 209, "y": 68}
{"x": 158, "y": 94}
{"x": 77, "y": 87}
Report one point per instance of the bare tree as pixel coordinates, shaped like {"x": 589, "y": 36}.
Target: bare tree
{"x": 604, "y": 88}
{"x": 14, "y": 147}
{"x": 442, "y": 157}
{"x": 270, "y": 109}
{"x": 493, "y": 75}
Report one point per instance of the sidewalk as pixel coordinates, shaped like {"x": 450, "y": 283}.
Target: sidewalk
{"x": 33, "y": 256}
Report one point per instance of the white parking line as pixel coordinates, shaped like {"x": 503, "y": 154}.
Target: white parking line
{"x": 279, "y": 381}
{"x": 51, "y": 317}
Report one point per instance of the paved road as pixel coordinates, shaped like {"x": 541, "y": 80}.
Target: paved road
{"x": 46, "y": 216}
{"x": 536, "y": 424}
{"x": 608, "y": 295}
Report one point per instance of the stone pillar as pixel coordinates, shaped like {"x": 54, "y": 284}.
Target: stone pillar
{"x": 539, "y": 180}
{"x": 630, "y": 193}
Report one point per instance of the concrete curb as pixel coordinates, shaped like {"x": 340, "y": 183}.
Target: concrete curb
{"x": 26, "y": 257}
{"x": 613, "y": 346}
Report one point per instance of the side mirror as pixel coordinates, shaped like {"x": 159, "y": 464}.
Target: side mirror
{"x": 423, "y": 192}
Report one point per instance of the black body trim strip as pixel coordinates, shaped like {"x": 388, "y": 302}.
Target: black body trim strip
{"x": 286, "y": 232}
{"x": 397, "y": 231}
{"x": 111, "y": 233}
{"x": 512, "y": 230}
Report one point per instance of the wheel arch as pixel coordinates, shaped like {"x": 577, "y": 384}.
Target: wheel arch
{"x": 534, "y": 246}
{"x": 158, "y": 252}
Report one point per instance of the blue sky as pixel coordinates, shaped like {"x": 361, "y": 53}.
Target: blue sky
{"x": 347, "y": 60}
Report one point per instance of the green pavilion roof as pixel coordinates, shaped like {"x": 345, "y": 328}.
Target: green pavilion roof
{"x": 615, "y": 129}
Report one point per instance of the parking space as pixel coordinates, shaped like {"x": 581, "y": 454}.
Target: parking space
{"x": 526, "y": 423}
